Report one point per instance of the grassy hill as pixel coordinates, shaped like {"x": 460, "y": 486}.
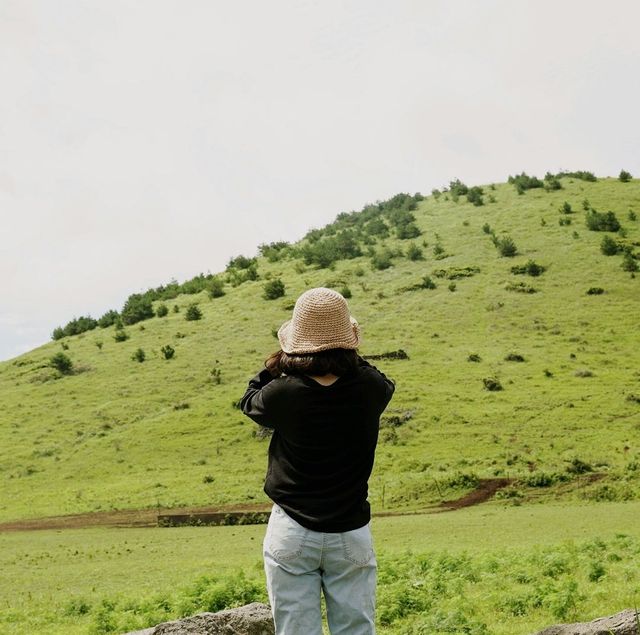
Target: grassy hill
{"x": 118, "y": 434}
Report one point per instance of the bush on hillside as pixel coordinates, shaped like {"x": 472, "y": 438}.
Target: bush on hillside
{"x": 61, "y": 363}
{"x": 407, "y": 231}
{"x": 530, "y": 268}
{"x": 75, "y": 327}
{"x": 551, "y": 182}
{"x": 193, "y": 313}
{"x": 120, "y": 335}
{"x": 137, "y": 307}
{"x": 486, "y": 228}
{"x": 563, "y": 221}
{"x": 236, "y": 277}
{"x": 608, "y": 246}
{"x": 274, "y": 252}
{"x": 474, "y": 195}
{"x": 581, "y": 175}
{"x": 168, "y": 352}
{"x": 273, "y": 289}
{"x": 506, "y": 246}
{"x": 624, "y": 176}
{"x": 629, "y": 263}
{"x": 381, "y": 260}
{"x": 632, "y": 215}
{"x": 566, "y": 208}
{"x": 457, "y": 188}
{"x": 162, "y": 310}
{"x": 524, "y": 182}
{"x": 520, "y": 287}
{"x": 414, "y": 252}
{"x": 139, "y": 356}
{"x": 109, "y": 318}
{"x": 601, "y": 222}
{"x": 241, "y": 262}
{"x": 595, "y": 291}
{"x": 436, "y": 193}
{"x": 216, "y": 287}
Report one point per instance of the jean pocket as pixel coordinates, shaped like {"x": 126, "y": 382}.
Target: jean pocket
{"x": 285, "y": 539}
{"x": 358, "y": 545}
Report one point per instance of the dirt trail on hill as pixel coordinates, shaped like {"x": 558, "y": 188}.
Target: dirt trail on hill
{"x": 149, "y": 517}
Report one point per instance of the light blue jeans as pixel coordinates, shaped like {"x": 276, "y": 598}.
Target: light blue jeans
{"x": 300, "y": 564}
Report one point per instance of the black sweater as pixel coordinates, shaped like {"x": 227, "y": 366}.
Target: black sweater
{"x": 322, "y": 450}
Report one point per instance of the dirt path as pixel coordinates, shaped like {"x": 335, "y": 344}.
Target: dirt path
{"x": 149, "y": 517}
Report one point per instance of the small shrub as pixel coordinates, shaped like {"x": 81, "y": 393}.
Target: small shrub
{"x": 345, "y": 292}
{"x": 183, "y": 405}
{"x": 530, "y": 268}
{"x": 176, "y": 308}
{"x": 492, "y": 384}
{"x": 486, "y": 228}
{"x": 520, "y": 287}
{"x": 99, "y": 344}
{"x": 506, "y": 246}
{"x": 563, "y": 221}
{"x": 414, "y": 252}
{"x": 514, "y": 357}
{"x": 566, "y": 208}
{"x": 120, "y": 335}
{"x": 61, "y": 363}
{"x": 583, "y": 372}
{"x": 215, "y": 375}
{"x": 162, "y": 310}
{"x": 629, "y": 263}
{"x": 381, "y": 260}
{"x": 474, "y": 195}
{"x": 193, "y": 313}
{"x": 595, "y": 291}
{"x": 608, "y": 246}
{"x": 139, "y": 356}
{"x": 474, "y": 357}
{"x": 577, "y": 466}
{"x": 207, "y": 478}
{"x": 586, "y": 206}
{"x": 452, "y": 286}
{"x": 602, "y": 222}
{"x": 216, "y": 288}
{"x": 428, "y": 283}
{"x": 438, "y": 250}
{"x": 624, "y": 176}
{"x": 168, "y": 351}
{"x": 273, "y": 289}
{"x": 632, "y": 215}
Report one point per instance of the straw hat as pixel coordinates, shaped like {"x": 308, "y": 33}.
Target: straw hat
{"x": 321, "y": 321}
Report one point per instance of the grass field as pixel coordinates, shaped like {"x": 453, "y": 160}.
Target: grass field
{"x": 122, "y": 434}
{"x": 61, "y": 581}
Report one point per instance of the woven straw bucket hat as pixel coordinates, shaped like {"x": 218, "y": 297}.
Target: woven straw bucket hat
{"x": 321, "y": 321}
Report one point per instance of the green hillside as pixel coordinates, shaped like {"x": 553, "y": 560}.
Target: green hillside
{"x": 116, "y": 433}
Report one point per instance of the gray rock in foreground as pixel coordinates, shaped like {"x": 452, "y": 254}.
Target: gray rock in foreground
{"x": 623, "y": 623}
{"x": 252, "y": 619}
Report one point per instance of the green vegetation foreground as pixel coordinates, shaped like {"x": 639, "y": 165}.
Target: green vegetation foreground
{"x": 494, "y": 570}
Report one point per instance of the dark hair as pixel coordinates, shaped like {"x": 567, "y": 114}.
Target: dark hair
{"x": 337, "y": 361}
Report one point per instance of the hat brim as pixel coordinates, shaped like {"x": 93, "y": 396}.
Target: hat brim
{"x": 290, "y": 346}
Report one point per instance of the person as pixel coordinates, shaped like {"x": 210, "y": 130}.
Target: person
{"x": 323, "y": 402}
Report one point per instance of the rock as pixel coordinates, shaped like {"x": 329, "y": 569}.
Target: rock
{"x": 624, "y": 623}
{"x": 252, "y": 619}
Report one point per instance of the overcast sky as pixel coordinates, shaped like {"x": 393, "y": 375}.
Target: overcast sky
{"x": 144, "y": 140}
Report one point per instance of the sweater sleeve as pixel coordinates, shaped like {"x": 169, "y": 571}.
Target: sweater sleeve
{"x": 256, "y": 400}
{"x": 389, "y": 385}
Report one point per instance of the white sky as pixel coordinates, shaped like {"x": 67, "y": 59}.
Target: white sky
{"x": 142, "y": 140}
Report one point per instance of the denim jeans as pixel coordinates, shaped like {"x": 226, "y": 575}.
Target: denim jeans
{"x": 300, "y": 564}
